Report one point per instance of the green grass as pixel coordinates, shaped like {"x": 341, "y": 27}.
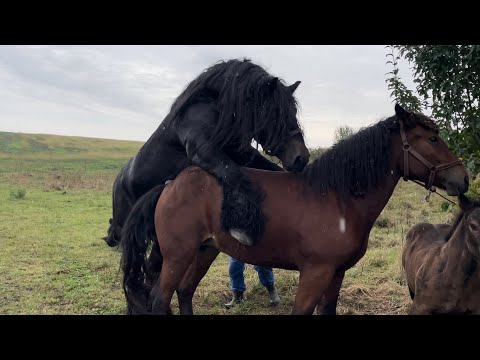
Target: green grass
{"x": 54, "y": 261}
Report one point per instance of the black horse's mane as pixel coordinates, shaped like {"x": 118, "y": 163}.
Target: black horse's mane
{"x": 359, "y": 163}
{"x": 251, "y": 104}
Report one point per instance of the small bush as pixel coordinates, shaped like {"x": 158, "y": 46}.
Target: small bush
{"x": 474, "y": 189}
{"x": 18, "y": 194}
{"x": 445, "y": 205}
{"x": 383, "y": 222}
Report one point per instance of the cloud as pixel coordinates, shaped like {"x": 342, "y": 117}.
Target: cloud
{"x": 125, "y": 91}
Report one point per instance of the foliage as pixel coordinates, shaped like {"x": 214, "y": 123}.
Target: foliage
{"x": 18, "y": 194}
{"x": 447, "y": 83}
{"x": 342, "y": 132}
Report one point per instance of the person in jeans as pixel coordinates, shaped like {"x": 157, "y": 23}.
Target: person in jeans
{"x": 236, "y": 270}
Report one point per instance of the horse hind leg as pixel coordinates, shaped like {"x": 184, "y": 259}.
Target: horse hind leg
{"x": 195, "y": 273}
{"x": 154, "y": 265}
{"x": 176, "y": 261}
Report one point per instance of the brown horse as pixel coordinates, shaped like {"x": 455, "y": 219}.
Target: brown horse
{"x": 441, "y": 264}
{"x": 317, "y": 221}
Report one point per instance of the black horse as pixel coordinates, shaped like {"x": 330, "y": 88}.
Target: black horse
{"x": 212, "y": 124}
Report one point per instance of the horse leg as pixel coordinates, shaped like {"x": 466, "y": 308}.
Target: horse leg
{"x": 328, "y": 305}
{"x": 253, "y": 159}
{"x": 417, "y": 309}
{"x": 195, "y": 273}
{"x": 314, "y": 281}
{"x": 154, "y": 264}
{"x": 174, "y": 267}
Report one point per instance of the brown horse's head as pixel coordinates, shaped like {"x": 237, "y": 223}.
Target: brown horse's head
{"x": 471, "y": 223}
{"x": 426, "y": 156}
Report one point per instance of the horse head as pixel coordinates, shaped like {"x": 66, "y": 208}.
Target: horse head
{"x": 426, "y": 157}
{"x": 471, "y": 223}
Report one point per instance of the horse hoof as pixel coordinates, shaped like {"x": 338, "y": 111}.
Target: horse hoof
{"x": 241, "y": 237}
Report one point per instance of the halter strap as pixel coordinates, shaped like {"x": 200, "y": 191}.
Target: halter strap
{"x": 433, "y": 168}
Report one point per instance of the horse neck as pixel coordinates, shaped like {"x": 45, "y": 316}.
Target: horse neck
{"x": 373, "y": 203}
{"x": 459, "y": 251}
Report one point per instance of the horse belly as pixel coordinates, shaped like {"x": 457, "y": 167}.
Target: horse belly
{"x": 265, "y": 253}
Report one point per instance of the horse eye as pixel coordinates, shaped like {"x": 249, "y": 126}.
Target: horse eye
{"x": 433, "y": 139}
{"x": 474, "y": 227}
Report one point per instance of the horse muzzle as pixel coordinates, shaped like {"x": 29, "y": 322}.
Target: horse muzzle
{"x": 298, "y": 164}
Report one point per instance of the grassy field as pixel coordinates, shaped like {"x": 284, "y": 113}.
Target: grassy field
{"x": 56, "y": 201}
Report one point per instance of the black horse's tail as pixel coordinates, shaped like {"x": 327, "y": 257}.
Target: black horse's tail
{"x": 138, "y": 233}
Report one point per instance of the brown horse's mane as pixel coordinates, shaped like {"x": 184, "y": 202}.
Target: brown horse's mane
{"x": 358, "y": 164}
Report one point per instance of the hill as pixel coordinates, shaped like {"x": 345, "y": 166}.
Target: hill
{"x": 35, "y": 146}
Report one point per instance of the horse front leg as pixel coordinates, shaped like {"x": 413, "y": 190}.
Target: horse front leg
{"x": 195, "y": 273}
{"x": 328, "y": 304}
{"x": 314, "y": 281}
{"x": 253, "y": 159}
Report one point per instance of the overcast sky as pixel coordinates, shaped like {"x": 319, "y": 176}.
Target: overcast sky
{"x": 124, "y": 92}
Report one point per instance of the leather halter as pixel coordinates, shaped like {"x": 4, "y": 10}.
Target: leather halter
{"x": 433, "y": 168}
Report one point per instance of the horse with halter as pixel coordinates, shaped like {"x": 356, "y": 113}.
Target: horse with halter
{"x": 317, "y": 222}
{"x": 441, "y": 264}
{"x": 211, "y": 125}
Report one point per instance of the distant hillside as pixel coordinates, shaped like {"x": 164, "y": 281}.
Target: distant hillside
{"x": 74, "y": 147}
{"x": 40, "y": 146}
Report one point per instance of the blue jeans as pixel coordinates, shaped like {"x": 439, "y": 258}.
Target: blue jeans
{"x": 237, "y": 279}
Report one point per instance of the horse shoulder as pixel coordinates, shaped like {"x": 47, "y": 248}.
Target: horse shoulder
{"x": 443, "y": 230}
{"x": 414, "y": 237}
{"x": 197, "y": 116}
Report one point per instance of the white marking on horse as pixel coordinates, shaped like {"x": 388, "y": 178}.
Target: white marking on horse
{"x": 342, "y": 225}
{"x": 241, "y": 237}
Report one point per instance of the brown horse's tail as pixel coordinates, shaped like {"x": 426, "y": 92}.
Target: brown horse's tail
{"x": 138, "y": 233}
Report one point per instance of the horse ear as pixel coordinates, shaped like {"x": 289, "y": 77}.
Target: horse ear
{"x": 404, "y": 116}
{"x": 294, "y": 86}
{"x": 464, "y": 202}
{"x": 400, "y": 111}
{"x": 273, "y": 84}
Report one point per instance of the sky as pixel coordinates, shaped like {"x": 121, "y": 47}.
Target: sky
{"x": 124, "y": 92}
